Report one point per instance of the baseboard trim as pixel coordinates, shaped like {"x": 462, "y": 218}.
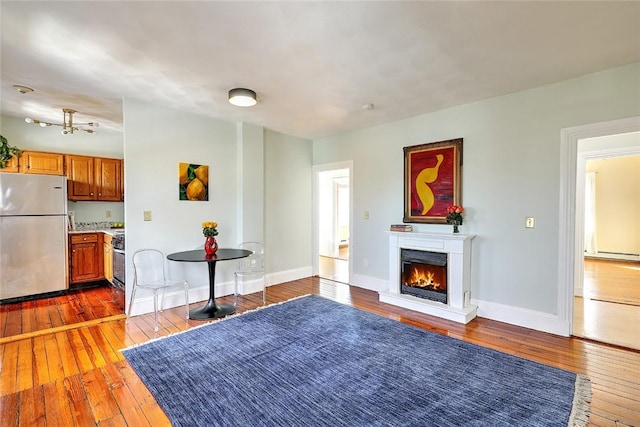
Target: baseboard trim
{"x": 368, "y": 282}
{"x": 175, "y": 298}
{"x": 523, "y": 317}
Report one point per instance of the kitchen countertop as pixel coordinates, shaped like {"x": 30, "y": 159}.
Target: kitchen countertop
{"x": 110, "y": 231}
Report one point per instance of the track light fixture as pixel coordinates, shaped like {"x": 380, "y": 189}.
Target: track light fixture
{"x": 68, "y": 127}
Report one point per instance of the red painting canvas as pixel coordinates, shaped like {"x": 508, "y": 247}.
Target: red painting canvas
{"x": 432, "y": 180}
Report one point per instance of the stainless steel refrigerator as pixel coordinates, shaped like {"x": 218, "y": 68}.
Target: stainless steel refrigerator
{"x": 33, "y": 234}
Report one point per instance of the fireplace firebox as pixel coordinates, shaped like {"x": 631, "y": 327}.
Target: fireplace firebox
{"x": 423, "y": 274}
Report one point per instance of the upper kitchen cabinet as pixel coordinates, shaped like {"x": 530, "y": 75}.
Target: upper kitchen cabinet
{"x": 108, "y": 179}
{"x": 12, "y": 165}
{"x": 94, "y": 178}
{"x": 42, "y": 163}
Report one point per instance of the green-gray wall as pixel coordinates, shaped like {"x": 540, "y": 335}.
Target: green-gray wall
{"x": 511, "y": 170}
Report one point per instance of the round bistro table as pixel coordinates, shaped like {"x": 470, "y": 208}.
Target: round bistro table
{"x": 210, "y": 310}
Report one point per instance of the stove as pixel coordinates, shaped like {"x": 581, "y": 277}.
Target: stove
{"x": 117, "y": 242}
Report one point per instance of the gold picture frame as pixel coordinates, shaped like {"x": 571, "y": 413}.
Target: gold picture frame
{"x": 432, "y": 180}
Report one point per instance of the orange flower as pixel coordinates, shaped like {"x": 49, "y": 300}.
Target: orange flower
{"x": 454, "y": 214}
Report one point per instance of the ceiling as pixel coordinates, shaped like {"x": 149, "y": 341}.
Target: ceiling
{"x": 313, "y": 64}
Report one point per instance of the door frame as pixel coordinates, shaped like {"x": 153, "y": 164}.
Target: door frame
{"x": 571, "y": 221}
{"x": 317, "y": 169}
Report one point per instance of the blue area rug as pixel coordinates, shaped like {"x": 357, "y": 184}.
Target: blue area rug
{"x": 313, "y": 362}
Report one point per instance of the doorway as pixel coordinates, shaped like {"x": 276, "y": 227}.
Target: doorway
{"x": 607, "y": 299}
{"x": 571, "y": 253}
{"x": 332, "y": 199}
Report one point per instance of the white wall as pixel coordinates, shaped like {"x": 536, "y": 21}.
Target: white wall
{"x": 288, "y": 187}
{"x": 158, "y": 138}
{"x": 510, "y": 171}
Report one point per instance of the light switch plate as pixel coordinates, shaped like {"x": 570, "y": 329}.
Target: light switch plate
{"x": 147, "y": 215}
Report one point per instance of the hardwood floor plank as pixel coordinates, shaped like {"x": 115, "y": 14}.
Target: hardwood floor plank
{"x": 10, "y": 405}
{"x": 103, "y": 405}
{"x": 67, "y": 355}
{"x": 41, "y": 367}
{"x": 77, "y": 396}
{"x": 80, "y": 351}
{"x": 13, "y": 320}
{"x": 132, "y": 413}
{"x": 25, "y": 366}
{"x": 56, "y": 403}
{"x": 32, "y": 407}
{"x": 54, "y": 362}
{"x": 8, "y": 373}
{"x": 92, "y": 348}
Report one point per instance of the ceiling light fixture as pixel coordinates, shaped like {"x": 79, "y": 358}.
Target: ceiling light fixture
{"x": 22, "y": 89}
{"x": 68, "y": 127}
{"x": 242, "y": 97}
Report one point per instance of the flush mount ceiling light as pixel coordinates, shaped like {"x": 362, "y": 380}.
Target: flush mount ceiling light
{"x": 242, "y": 97}
{"x": 22, "y": 89}
{"x": 67, "y": 125}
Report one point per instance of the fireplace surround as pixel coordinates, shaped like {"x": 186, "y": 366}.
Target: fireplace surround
{"x": 452, "y": 249}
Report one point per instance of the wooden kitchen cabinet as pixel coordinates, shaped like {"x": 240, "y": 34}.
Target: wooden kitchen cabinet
{"x": 80, "y": 177}
{"x": 108, "y": 179}
{"x": 39, "y": 162}
{"x": 12, "y": 165}
{"x": 93, "y": 178}
{"x": 86, "y": 253}
{"x": 108, "y": 258}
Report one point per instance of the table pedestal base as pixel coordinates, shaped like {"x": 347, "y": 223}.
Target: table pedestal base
{"x": 211, "y": 311}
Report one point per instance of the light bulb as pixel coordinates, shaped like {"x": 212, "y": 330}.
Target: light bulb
{"x": 28, "y": 120}
{"x": 44, "y": 125}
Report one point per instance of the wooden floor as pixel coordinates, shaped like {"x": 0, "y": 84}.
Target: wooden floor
{"x": 78, "y": 376}
{"x": 609, "y": 310}
{"x": 89, "y": 305}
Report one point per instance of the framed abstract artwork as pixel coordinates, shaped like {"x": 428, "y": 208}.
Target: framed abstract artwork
{"x": 432, "y": 180}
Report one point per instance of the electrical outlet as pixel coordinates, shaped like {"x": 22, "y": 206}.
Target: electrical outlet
{"x": 365, "y": 262}
{"x": 366, "y": 215}
{"x": 147, "y": 215}
{"x": 107, "y": 214}
{"x": 529, "y": 222}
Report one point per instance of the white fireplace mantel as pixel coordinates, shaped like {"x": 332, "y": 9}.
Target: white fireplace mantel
{"x": 458, "y": 249}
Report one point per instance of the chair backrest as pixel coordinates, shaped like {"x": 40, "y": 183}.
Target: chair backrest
{"x": 148, "y": 266}
{"x": 255, "y": 261}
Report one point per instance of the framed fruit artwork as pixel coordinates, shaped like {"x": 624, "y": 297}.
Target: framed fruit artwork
{"x": 432, "y": 180}
{"x": 193, "y": 181}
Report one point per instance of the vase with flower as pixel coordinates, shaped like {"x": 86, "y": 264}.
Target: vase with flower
{"x": 454, "y": 216}
{"x": 209, "y": 229}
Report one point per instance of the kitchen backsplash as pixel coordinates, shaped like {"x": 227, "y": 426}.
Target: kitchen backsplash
{"x": 97, "y": 212}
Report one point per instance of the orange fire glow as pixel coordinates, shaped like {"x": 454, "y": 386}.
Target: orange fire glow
{"x": 422, "y": 277}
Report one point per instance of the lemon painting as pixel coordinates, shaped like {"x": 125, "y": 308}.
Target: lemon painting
{"x": 194, "y": 181}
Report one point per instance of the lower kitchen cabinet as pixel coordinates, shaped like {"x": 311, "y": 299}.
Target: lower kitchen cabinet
{"x": 86, "y": 257}
{"x": 108, "y": 258}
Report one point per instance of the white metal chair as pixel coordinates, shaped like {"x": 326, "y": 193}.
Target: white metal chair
{"x": 251, "y": 268}
{"x": 149, "y": 272}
